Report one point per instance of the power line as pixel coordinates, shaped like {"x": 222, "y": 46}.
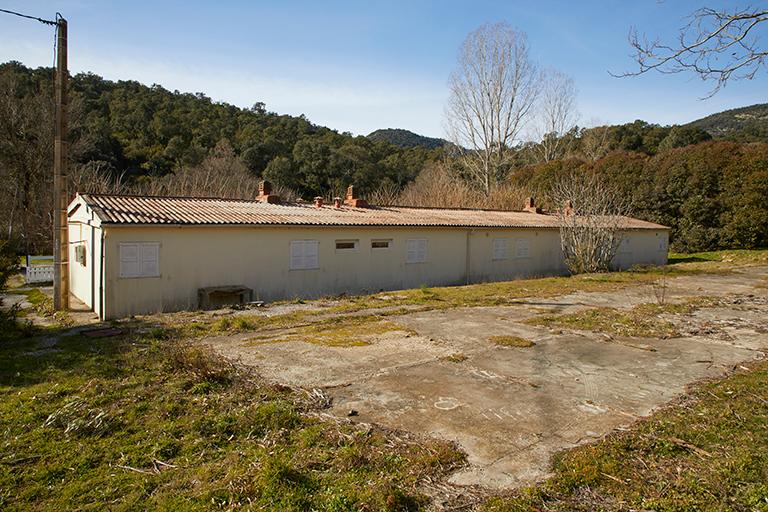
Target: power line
{"x": 41, "y": 20}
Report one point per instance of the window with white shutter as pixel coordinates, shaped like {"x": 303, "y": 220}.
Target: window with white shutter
{"x": 150, "y": 259}
{"x": 500, "y": 248}
{"x": 416, "y": 250}
{"x": 522, "y": 248}
{"x": 139, "y": 259}
{"x": 304, "y": 255}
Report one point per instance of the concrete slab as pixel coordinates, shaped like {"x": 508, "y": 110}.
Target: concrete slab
{"x": 511, "y": 409}
{"x": 310, "y": 365}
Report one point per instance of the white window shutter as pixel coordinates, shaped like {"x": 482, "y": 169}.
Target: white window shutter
{"x": 311, "y": 259}
{"x": 416, "y": 250}
{"x": 500, "y": 248}
{"x": 150, "y": 260}
{"x": 422, "y": 250}
{"x": 304, "y": 254}
{"x": 297, "y": 255}
{"x": 522, "y": 248}
{"x": 411, "y": 251}
{"x": 129, "y": 260}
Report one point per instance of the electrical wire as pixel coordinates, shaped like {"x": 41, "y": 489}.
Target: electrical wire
{"x": 41, "y": 20}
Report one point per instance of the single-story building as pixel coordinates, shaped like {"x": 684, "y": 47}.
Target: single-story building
{"x": 139, "y": 254}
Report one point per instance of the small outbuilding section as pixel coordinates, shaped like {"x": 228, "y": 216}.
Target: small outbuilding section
{"x": 138, "y": 254}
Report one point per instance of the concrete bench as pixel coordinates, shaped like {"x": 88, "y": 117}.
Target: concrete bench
{"x": 206, "y": 296}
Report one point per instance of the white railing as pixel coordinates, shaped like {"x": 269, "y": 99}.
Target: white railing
{"x": 39, "y": 273}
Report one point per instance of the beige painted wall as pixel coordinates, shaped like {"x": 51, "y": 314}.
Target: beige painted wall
{"x": 80, "y": 275}
{"x": 192, "y": 257}
{"x": 643, "y": 247}
{"x": 84, "y": 280}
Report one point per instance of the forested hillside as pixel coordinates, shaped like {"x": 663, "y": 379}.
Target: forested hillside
{"x": 137, "y": 131}
{"x": 746, "y": 124}
{"x": 406, "y": 138}
{"x": 712, "y": 195}
{"x": 127, "y": 137}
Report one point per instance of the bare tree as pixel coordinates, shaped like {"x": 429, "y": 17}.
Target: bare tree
{"x": 440, "y": 186}
{"x": 221, "y": 174}
{"x": 95, "y": 177}
{"x": 715, "y": 44}
{"x": 492, "y": 94}
{"x": 437, "y": 185}
{"x": 386, "y": 194}
{"x": 556, "y": 116}
{"x": 593, "y": 141}
{"x": 592, "y": 218}
{"x": 26, "y": 156}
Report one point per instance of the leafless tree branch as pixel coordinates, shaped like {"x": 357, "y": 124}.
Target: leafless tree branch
{"x": 556, "y": 116}
{"x": 717, "y": 45}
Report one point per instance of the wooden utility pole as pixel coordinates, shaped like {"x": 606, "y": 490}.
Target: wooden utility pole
{"x": 60, "y": 196}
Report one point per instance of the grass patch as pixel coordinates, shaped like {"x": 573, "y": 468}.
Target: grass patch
{"x": 511, "y": 341}
{"x": 710, "y": 453}
{"x": 609, "y": 321}
{"x": 35, "y": 261}
{"x": 342, "y": 331}
{"x": 152, "y": 423}
{"x": 642, "y": 321}
{"x": 510, "y": 292}
{"x": 42, "y": 304}
{"x": 458, "y": 357}
{"x": 735, "y": 257}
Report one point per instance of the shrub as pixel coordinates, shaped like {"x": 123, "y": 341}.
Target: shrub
{"x": 9, "y": 326}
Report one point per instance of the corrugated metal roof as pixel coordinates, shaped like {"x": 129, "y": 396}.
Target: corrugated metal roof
{"x": 147, "y": 210}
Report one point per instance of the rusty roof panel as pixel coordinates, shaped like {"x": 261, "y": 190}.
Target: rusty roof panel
{"x": 147, "y": 210}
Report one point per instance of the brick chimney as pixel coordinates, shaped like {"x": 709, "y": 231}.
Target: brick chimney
{"x": 266, "y": 195}
{"x": 318, "y": 202}
{"x": 353, "y": 201}
{"x": 530, "y": 206}
{"x": 337, "y": 202}
{"x": 568, "y": 207}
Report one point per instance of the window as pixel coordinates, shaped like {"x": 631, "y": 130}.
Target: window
{"x": 346, "y": 245}
{"x": 416, "y": 250}
{"x": 522, "y": 248}
{"x": 381, "y": 244}
{"x": 80, "y": 254}
{"x": 500, "y": 248}
{"x": 304, "y": 254}
{"x": 140, "y": 259}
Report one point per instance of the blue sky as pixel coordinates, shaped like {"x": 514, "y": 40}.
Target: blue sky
{"x": 357, "y": 66}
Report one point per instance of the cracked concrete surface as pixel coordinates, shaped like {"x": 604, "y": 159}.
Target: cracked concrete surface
{"x": 511, "y": 409}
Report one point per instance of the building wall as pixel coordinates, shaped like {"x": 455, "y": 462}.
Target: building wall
{"x": 543, "y": 257}
{"x": 85, "y": 280}
{"x": 80, "y": 274}
{"x": 259, "y": 257}
{"x": 642, "y": 247}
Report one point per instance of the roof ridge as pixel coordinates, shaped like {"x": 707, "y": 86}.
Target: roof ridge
{"x": 302, "y": 203}
{"x": 150, "y": 196}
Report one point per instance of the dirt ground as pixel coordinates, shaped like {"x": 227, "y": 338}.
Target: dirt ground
{"x": 512, "y": 408}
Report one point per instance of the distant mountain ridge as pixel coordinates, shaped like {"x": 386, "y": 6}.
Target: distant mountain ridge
{"x": 744, "y": 124}
{"x": 406, "y": 138}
